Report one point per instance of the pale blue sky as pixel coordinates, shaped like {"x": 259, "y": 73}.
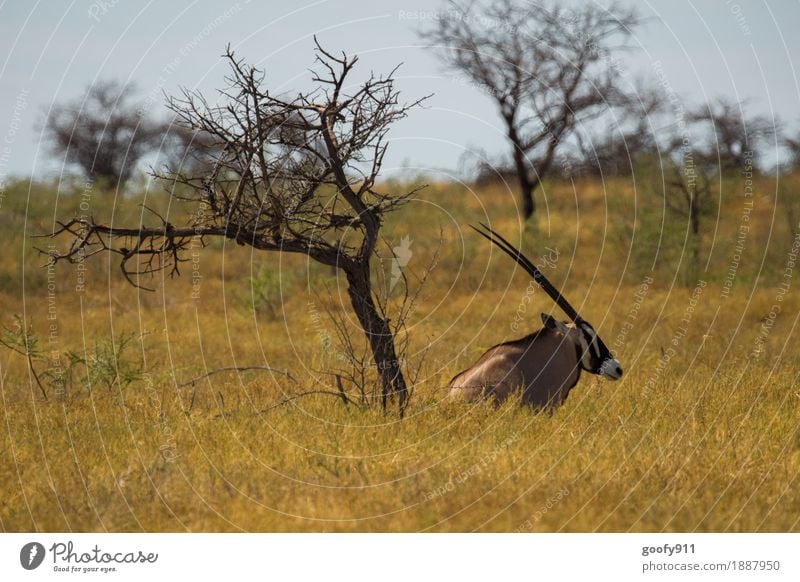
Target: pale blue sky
{"x": 51, "y": 50}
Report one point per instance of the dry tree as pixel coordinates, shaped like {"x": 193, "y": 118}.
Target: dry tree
{"x": 633, "y": 137}
{"x": 105, "y": 133}
{"x": 294, "y": 174}
{"x": 549, "y": 69}
{"x": 734, "y": 136}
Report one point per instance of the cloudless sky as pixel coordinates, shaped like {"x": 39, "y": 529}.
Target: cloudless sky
{"x": 51, "y": 50}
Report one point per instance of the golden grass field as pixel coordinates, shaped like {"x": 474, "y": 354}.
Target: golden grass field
{"x": 701, "y": 434}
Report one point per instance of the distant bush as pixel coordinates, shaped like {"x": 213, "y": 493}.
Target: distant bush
{"x": 104, "y": 133}
{"x": 109, "y": 363}
{"x": 265, "y": 292}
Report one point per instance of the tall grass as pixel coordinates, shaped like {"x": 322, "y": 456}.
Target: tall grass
{"x": 702, "y": 433}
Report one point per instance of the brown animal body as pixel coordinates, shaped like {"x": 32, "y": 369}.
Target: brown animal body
{"x": 545, "y": 366}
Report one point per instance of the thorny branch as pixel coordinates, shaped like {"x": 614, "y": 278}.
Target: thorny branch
{"x": 293, "y": 173}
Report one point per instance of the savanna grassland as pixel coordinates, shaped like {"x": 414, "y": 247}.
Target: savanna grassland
{"x": 701, "y": 434}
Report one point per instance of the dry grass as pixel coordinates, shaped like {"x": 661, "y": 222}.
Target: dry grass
{"x": 708, "y": 440}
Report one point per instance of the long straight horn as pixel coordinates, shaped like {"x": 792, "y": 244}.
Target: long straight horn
{"x": 532, "y": 269}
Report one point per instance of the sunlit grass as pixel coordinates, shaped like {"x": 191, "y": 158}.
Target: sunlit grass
{"x": 707, "y": 439}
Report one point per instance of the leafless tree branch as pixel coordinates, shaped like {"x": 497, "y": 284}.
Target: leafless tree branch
{"x": 548, "y": 69}
{"x": 295, "y": 174}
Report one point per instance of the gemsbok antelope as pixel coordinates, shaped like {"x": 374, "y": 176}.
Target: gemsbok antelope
{"x": 544, "y": 365}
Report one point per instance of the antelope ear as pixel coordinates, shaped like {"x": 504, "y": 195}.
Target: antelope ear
{"x": 553, "y": 324}
{"x": 549, "y": 322}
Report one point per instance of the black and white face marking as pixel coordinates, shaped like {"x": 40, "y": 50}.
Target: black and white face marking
{"x": 594, "y": 356}
{"x": 597, "y": 358}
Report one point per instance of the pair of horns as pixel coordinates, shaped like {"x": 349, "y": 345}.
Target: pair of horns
{"x": 532, "y": 269}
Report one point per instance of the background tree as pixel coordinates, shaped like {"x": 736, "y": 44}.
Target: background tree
{"x": 105, "y": 133}
{"x": 187, "y": 151}
{"x": 792, "y": 145}
{"x": 548, "y": 69}
{"x": 788, "y": 187}
{"x": 293, "y": 174}
{"x": 689, "y": 193}
{"x": 617, "y": 147}
{"x": 732, "y": 134}
{"x": 688, "y": 172}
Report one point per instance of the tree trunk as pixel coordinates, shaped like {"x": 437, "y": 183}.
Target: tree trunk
{"x": 379, "y": 335}
{"x": 526, "y": 187}
{"x": 521, "y": 166}
{"x": 528, "y": 203}
{"x": 695, "y": 226}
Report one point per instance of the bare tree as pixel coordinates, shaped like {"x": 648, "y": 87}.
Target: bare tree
{"x": 548, "y": 69}
{"x": 294, "y": 174}
{"x": 735, "y": 136}
{"x": 105, "y": 133}
{"x": 689, "y": 193}
{"x": 787, "y": 194}
{"x": 792, "y": 145}
{"x": 183, "y": 150}
{"x": 633, "y": 135}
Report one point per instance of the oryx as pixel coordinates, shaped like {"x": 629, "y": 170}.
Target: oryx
{"x": 546, "y": 364}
